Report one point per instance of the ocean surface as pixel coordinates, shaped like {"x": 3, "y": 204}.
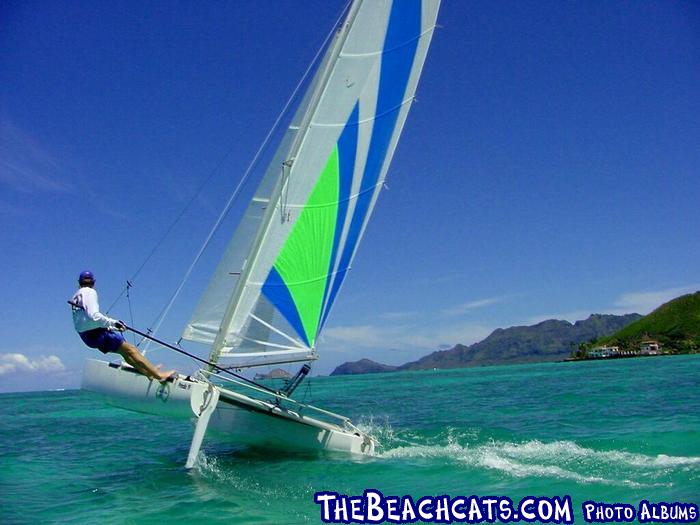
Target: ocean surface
{"x": 617, "y": 431}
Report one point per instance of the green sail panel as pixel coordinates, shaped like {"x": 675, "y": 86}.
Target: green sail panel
{"x": 302, "y": 265}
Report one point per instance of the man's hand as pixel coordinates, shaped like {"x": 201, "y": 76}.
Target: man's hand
{"x": 120, "y": 325}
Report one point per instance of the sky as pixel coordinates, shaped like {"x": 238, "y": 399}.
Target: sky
{"x": 548, "y": 169}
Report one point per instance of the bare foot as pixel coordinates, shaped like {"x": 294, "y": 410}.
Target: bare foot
{"x": 166, "y": 375}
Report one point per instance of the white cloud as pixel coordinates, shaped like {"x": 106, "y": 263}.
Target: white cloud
{"x": 16, "y": 362}
{"x": 627, "y": 303}
{"x": 472, "y": 305}
{"x": 25, "y": 166}
{"x": 645, "y": 302}
{"x": 405, "y": 336}
{"x": 435, "y": 280}
{"x": 398, "y": 315}
{"x": 367, "y": 336}
{"x": 394, "y": 345}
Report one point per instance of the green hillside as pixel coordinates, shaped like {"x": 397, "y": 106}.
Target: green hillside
{"x": 675, "y": 324}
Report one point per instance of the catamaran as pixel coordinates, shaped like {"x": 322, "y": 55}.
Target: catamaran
{"x": 274, "y": 287}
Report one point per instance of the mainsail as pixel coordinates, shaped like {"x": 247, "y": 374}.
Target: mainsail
{"x": 279, "y": 277}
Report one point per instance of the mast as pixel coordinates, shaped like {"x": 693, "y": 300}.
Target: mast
{"x": 220, "y": 340}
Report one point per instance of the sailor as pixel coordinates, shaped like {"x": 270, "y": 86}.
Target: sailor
{"x": 102, "y": 332}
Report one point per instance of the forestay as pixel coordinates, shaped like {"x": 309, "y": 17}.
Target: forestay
{"x": 272, "y": 291}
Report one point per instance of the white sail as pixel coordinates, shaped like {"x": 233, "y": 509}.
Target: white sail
{"x": 274, "y": 288}
{"x": 206, "y": 319}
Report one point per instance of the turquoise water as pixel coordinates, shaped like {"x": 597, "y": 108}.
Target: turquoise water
{"x": 618, "y": 431}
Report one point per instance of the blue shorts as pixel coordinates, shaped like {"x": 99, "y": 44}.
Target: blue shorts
{"x": 102, "y": 339}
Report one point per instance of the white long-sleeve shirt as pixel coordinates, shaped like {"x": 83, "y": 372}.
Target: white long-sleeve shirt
{"x": 86, "y": 313}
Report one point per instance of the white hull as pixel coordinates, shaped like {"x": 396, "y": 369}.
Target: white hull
{"x": 236, "y": 418}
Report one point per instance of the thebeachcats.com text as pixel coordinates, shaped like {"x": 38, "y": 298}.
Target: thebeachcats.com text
{"x": 374, "y": 507}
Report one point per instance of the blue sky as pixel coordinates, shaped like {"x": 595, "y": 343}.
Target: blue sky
{"x": 548, "y": 170}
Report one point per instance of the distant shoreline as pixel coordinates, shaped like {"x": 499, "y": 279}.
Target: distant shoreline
{"x": 608, "y": 358}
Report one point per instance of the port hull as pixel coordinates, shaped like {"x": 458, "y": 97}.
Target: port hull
{"x": 237, "y": 419}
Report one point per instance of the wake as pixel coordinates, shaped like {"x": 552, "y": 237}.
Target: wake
{"x": 564, "y": 460}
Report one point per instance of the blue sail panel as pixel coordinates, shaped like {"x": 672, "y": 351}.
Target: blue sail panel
{"x": 277, "y": 292}
{"x": 398, "y": 57}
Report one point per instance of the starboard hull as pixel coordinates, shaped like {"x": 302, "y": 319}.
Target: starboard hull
{"x": 237, "y": 418}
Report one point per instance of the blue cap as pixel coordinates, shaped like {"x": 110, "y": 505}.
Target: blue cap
{"x": 86, "y": 276}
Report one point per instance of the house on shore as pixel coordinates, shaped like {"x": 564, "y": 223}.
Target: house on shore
{"x": 600, "y": 352}
{"x": 649, "y": 347}
{"x": 646, "y": 347}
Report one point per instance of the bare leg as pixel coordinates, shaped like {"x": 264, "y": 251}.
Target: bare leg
{"x": 136, "y": 359}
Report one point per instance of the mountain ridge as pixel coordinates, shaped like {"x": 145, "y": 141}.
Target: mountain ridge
{"x": 549, "y": 340}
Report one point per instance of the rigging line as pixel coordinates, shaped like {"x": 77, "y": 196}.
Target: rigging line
{"x": 307, "y": 392}
{"x": 131, "y": 312}
{"x": 200, "y": 360}
{"x": 164, "y": 312}
{"x": 376, "y": 116}
{"x": 330, "y": 204}
{"x": 253, "y": 364}
{"x": 173, "y": 224}
{"x": 385, "y": 51}
{"x": 223, "y": 159}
